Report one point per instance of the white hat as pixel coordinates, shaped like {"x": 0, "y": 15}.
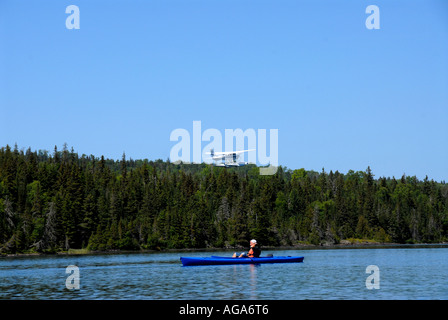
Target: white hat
{"x": 253, "y": 241}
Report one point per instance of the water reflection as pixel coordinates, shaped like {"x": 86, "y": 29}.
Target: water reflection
{"x": 253, "y": 281}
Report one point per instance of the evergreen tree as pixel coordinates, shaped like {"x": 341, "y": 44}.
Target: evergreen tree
{"x": 56, "y": 201}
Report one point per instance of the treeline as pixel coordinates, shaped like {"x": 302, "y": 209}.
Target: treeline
{"x": 58, "y": 201}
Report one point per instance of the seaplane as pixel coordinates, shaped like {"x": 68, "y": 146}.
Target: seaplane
{"x": 228, "y": 158}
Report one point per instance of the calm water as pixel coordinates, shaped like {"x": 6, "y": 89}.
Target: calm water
{"x": 405, "y": 273}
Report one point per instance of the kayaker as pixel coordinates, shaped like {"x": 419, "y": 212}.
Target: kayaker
{"x": 254, "y": 251}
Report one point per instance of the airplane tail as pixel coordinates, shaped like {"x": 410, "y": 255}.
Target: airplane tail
{"x": 212, "y": 152}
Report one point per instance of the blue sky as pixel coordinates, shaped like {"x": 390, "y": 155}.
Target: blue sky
{"x": 342, "y": 96}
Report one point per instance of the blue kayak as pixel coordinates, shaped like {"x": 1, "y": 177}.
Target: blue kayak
{"x": 215, "y": 260}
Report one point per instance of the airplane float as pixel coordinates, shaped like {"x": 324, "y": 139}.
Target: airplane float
{"x": 228, "y": 158}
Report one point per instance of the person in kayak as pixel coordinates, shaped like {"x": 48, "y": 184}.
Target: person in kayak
{"x": 254, "y": 251}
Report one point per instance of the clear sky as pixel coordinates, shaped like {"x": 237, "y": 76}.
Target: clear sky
{"x": 341, "y": 96}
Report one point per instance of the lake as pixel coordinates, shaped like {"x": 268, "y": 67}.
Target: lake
{"x": 416, "y": 272}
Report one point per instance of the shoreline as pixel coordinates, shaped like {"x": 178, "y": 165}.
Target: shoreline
{"x": 344, "y": 244}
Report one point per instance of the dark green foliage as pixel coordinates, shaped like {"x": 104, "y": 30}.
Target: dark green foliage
{"x": 53, "y": 202}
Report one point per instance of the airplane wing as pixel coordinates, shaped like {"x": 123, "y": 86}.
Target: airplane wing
{"x": 237, "y": 152}
{"x": 229, "y": 153}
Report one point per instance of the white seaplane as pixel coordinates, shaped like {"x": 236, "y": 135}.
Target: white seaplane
{"x": 228, "y": 158}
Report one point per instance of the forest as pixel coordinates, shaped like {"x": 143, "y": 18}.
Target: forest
{"x": 58, "y": 201}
